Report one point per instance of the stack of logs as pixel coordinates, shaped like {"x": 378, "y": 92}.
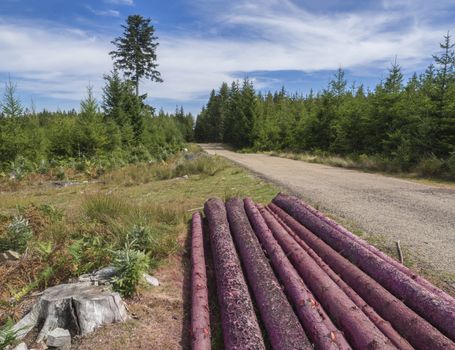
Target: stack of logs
{"x": 309, "y": 282}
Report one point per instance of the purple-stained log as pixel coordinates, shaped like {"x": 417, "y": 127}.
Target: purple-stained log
{"x": 357, "y": 327}
{"x": 420, "y": 333}
{"x": 317, "y": 324}
{"x": 350, "y": 236}
{"x": 438, "y": 311}
{"x": 384, "y": 326}
{"x": 281, "y": 323}
{"x": 239, "y": 323}
{"x": 200, "y": 318}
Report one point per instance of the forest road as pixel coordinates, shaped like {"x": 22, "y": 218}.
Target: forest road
{"x": 421, "y": 216}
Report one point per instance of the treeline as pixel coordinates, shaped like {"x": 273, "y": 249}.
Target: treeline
{"x": 399, "y": 126}
{"x": 122, "y": 129}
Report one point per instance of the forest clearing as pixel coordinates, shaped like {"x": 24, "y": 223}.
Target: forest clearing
{"x": 271, "y": 174}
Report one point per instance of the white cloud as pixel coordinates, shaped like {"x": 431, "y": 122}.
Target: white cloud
{"x": 275, "y": 35}
{"x": 52, "y": 61}
{"x": 278, "y": 35}
{"x": 109, "y": 13}
{"x": 120, "y": 2}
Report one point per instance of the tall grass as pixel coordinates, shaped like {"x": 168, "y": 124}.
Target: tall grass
{"x": 184, "y": 164}
{"x": 429, "y": 166}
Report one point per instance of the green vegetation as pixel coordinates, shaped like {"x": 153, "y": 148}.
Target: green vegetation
{"x": 7, "y": 335}
{"x": 133, "y": 217}
{"x": 397, "y": 127}
{"x": 130, "y": 264}
{"x": 122, "y": 129}
{"x": 17, "y": 235}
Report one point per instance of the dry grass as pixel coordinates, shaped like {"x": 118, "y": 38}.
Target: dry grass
{"x": 428, "y": 170}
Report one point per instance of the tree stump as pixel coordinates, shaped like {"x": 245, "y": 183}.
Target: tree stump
{"x": 78, "y": 307}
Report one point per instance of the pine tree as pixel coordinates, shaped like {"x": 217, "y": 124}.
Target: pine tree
{"x": 114, "y": 99}
{"x": 11, "y": 105}
{"x": 338, "y": 84}
{"x": 394, "y": 81}
{"x": 89, "y": 105}
{"x": 136, "y": 51}
{"x": 89, "y": 134}
{"x": 445, "y": 72}
{"x": 249, "y": 102}
{"x": 444, "y": 121}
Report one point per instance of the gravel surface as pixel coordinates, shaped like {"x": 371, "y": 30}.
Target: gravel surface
{"x": 422, "y": 217}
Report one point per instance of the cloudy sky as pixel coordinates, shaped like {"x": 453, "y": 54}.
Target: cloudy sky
{"x": 53, "y": 49}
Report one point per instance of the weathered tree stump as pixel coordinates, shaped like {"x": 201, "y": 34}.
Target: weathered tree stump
{"x": 78, "y": 307}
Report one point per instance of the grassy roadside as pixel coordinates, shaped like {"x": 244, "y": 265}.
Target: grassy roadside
{"x": 426, "y": 172}
{"x": 74, "y": 229}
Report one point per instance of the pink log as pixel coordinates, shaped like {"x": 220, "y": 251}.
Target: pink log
{"x": 317, "y": 324}
{"x": 200, "y": 319}
{"x": 438, "y": 311}
{"x": 358, "y": 328}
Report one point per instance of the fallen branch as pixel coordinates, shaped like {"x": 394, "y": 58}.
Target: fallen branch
{"x": 400, "y": 253}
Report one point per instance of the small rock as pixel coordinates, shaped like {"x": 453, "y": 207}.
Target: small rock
{"x": 153, "y": 281}
{"x": 185, "y": 177}
{"x": 21, "y": 346}
{"x": 106, "y": 273}
{"x": 40, "y": 346}
{"x": 9, "y": 255}
{"x": 102, "y": 276}
{"x": 59, "y": 338}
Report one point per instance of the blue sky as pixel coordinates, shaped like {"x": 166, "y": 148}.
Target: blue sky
{"x": 53, "y": 49}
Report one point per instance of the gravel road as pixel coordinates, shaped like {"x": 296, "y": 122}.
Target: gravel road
{"x": 422, "y": 217}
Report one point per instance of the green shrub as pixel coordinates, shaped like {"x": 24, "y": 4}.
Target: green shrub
{"x": 60, "y": 174}
{"x": 18, "y": 233}
{"x": 51, "y": 212}
{"x": 430, "y": 166}
{"x": 43, "y": 167}
{"x": 7, "y": 334}
{"x": 130, "y": 264}
{"x": 450, "y": 163}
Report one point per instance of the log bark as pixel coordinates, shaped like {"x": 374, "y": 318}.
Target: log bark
{"x": 318, "y": 326}
{"x": 384, "y": 326}
{"x": 200, "y": 318}
{"x": 349, "y": 235}
{"x": 438, "y": 311}
{"x": 78, "y": 307}
{"x": 282, "y": 325}
{"x": 239, "y": 323}
{"x": 420, "y": 333}
{"x": 357, "y": 327}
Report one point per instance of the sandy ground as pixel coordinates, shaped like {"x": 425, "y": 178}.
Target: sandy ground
{"x": 422, "y": 217}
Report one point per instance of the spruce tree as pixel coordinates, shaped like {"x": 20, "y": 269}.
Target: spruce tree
{"x": 338, "y": 84}
{"x": 114, "y": 99}
{"x": 136, "y": 51}
{"x": 445, "y": 71}
{"x": 11, "y": 105}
